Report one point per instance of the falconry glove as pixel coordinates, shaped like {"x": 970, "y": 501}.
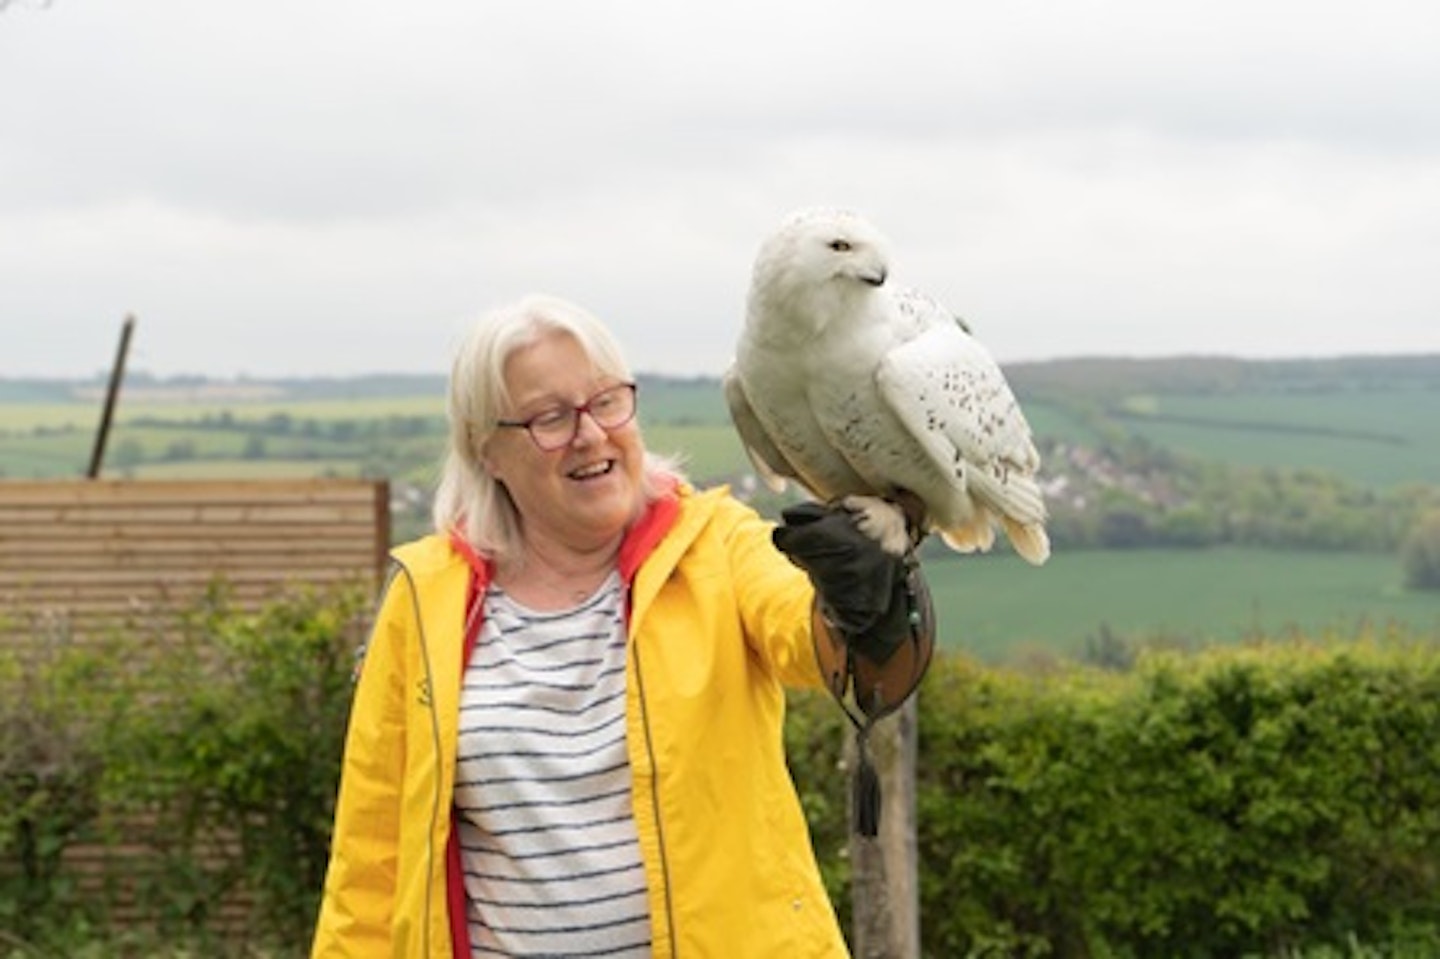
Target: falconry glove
{"x": 878, "y": 607}
{"x": 863, "y": 591}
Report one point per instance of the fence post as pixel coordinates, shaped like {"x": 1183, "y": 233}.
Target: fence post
{"x": 112, "y": 392}
{"x": 885, "y": 884}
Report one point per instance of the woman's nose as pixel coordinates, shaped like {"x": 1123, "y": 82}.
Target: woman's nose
{"x": 586, "y": 429}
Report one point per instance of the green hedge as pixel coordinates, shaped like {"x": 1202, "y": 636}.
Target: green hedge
{"x": 1271, "y": 801}
{"x": 206, "y": 760}
{"x": 1240, "y": 802}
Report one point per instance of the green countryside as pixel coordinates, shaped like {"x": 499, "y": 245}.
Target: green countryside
{"x": 1195, "y": 501}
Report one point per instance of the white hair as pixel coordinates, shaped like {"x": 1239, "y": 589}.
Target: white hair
{"x": 468, "y": 500}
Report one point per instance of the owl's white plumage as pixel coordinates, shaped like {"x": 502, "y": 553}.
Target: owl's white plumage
{"x": 855, "y": 389}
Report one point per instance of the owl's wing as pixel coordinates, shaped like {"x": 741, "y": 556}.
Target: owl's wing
{"x": 952, "y": 398}
{"x": 771, "y": 465}
{"x": 916, "y": 311}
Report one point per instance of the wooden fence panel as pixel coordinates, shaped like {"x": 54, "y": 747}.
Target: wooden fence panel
{"x": 89, "y": 559}
{"x": 92, "y": 555}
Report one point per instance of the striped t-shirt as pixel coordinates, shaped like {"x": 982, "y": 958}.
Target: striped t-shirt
{"x": 547, "y": 835}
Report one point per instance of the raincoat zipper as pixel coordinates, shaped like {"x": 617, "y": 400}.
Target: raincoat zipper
{"x": 655, "y": 801}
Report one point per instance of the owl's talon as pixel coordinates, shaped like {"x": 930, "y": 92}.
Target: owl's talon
{"x": 882, "y": 521}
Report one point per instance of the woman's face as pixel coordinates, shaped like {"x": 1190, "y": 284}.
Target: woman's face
{"x": 582, "y": 495}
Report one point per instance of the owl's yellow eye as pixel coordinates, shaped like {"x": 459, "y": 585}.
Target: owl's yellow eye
{"x": 840, "y": 246}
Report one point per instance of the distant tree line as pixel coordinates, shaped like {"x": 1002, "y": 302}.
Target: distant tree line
{"x": 1420, "y": 554}
{"x": 284, "y": 424}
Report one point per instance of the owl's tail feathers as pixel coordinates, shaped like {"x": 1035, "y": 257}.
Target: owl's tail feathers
{"x": 1011, "y": 500}
{"x": 1017, "y": 499}
{"x": 1030, "y": 541}
{"x": 977, "y": 535}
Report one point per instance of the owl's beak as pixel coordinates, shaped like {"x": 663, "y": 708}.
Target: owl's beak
{"x": 874, "y": 277}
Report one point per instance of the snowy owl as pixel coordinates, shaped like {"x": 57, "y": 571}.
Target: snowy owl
{"x": 872, "y": 396}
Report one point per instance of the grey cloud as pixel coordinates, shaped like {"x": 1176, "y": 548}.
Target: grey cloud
{"x": 373, "y": 173}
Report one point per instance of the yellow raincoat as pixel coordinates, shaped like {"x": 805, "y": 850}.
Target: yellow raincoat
{"x": 719, "y": 624}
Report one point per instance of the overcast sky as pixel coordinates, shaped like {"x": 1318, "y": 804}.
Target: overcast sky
{"x": 298, "y": 187}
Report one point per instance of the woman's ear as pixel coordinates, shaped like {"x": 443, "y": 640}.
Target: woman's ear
{"x": 483, "y": 461}
{"x": 489, "y": 463}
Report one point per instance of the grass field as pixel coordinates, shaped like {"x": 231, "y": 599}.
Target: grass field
{"x": 683, "y": 422}
{"x": 1054, "y": 421}
{"x": 707, "y": 453}
{"x": 999, "y": 608}
{"x": 247, "y": 469}
{"x": 682, "y": 402}
{"x": 1378, "y": 439}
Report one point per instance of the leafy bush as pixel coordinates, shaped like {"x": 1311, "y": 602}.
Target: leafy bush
{"x": 209, "y": 752}
{"x": 239, "y": 760}
{"x": 50, "y": 763}
{"x": 1278, "y": 801}
{"x": 1241, "y": 802}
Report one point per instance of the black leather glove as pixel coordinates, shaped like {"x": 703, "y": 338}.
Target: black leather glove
{"x": 876, "y": 604}
{"x": 862, "y": 589}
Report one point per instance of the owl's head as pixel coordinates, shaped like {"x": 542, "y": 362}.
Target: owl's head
{"x": 824, "y": 247}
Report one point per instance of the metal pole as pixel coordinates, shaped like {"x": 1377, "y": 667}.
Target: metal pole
{"x": 117, "y": 373}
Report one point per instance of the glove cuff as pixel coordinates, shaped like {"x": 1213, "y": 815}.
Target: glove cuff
{"x": 882, "y": 668}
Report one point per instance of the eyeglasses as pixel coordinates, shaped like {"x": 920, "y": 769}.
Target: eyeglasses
{"x": 555, "y": 428}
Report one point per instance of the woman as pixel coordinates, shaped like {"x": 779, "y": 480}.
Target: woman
{"x": 566, "y": 732}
